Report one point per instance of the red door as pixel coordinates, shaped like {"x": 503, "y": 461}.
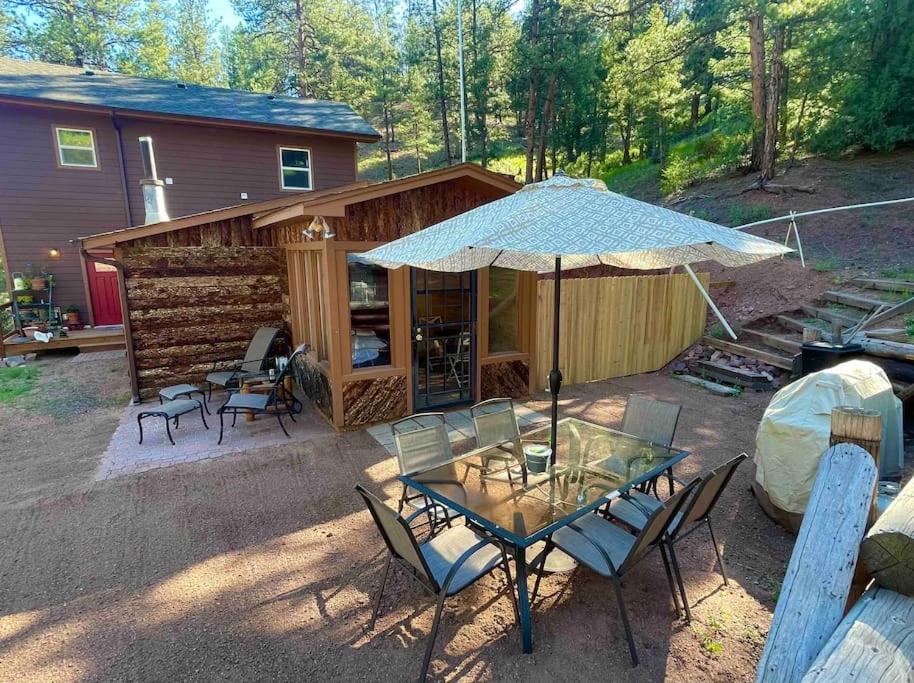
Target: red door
{"x": 103, "y": 288}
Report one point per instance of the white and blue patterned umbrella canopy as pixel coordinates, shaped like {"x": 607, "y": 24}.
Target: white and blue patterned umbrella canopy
{"x": 579, "y": 220}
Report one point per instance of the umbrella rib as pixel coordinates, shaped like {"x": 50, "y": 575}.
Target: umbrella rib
{"x": 500, "y": 252}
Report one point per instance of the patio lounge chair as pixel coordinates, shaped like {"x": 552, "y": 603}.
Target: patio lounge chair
{"x": 444, "y": 565}
{"x": 654, "y": 421}
{"x": 612, "y": 552}
{"x": 253, "y": 364}
{"x": 694, "y": 514}
{"x": 277, "y": 401}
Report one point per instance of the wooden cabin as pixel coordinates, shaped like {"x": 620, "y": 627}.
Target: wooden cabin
{"x": 384, "y": 343}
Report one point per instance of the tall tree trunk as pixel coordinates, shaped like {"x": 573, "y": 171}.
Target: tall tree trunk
{"x": 300, "y": 50}
{"x": 627, "y": 134}
{"x": 772, "y": 109}
{"x": 390, "y": 168}
{"x": 442, "y": 99}
{"x": 545, "y": 120}
{"x": 695, "y": 104}
{"x": 795, "y": 142}
{"x": 530, "y": 122}
{"x": 757, "y": 75}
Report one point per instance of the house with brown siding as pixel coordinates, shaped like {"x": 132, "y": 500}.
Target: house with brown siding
{"x": 71, "y": 163}
{"x": 384, "y": 343}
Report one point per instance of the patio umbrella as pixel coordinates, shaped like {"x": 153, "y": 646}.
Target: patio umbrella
{"x": 573, "y": 223}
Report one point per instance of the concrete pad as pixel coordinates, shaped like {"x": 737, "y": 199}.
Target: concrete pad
{"x": 193, "y": 442}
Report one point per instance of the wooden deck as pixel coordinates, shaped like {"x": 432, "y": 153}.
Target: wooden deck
{"x": 95, "y": 339}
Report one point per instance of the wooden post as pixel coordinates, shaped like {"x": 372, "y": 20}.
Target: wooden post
{"x": 857, "y": 426}
{"x": 888, "y": 549}
{"x": 815, "y": 588}
{"x": 874, "y": 642}
{"x": 811, "y": 334}
{"x": 246, "y": 389}
{"x": 862, "y": 428}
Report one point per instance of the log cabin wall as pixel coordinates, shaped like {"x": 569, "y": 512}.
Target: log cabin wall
{"x": 196, "y": 296}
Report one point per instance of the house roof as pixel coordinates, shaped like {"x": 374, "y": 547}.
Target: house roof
{"x": 330, "y": 202}
{"x": 86, "y": 87}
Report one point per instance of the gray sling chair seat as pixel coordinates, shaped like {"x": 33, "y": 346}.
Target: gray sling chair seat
{"x": 654, "y": 421}
{"x": 612, "y": 552}
{"x": 276, "y": 402}
{"x": 255, "y": 358}
{"x": 444, "y": 565}
{"x": 696, "y": 513}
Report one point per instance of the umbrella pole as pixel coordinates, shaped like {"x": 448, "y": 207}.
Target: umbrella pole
{"x": 555, "y": 375}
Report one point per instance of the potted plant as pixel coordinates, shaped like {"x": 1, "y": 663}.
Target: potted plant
{"x": 72, "y": 315}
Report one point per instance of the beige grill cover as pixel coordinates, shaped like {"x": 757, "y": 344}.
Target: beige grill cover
{"x": 795, "y": 428}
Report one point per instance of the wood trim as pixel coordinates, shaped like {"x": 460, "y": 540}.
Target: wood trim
{"x": 505, "y": 357}
{"x": 334, "y": 204}
{"x": 362, "y": 374}
{"x": 90, "y": 306}
{"x": 319, "y": 202}
{"x": 482, "y": 328}
{"x": 334, "y": 334}
{"x": 305, "y": 246}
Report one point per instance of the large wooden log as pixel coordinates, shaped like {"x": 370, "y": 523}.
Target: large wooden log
{"x": 874, "y": 643}
{"x": 818, "y": 579}
{"x": 886, "y": 349}
{"x": 857, "y": 426}
{"x": 888, "y": 549}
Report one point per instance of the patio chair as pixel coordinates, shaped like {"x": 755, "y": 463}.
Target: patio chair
{"x": 495, "y": 423}
{"x": 444, "y": 565}
{"x": 422, "y": 442}
{"x": 696, "y": 513}
{"x": 654, "y": 421}
{"x": 276, "y": 401}
{"x": 612, "y": 552}
{"x": 253, "y": 363}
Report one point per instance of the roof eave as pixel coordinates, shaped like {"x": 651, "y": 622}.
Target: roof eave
{"x": 162, "y": 116}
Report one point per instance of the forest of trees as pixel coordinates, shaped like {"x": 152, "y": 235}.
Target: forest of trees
{"x": 696, "y": 87}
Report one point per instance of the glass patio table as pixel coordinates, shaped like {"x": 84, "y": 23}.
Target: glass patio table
{"x": 593, "y": 465}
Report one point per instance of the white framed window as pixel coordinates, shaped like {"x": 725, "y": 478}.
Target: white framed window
{"x": 295, "y": 172}
{"x": 76, "y": 147}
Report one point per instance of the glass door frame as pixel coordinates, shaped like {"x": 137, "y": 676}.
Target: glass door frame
{"x": 468, "y": 393}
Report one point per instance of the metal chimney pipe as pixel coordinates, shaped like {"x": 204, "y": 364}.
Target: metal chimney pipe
{"x": 153, "y": 188}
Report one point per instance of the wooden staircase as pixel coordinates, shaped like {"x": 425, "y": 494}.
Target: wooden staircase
{"x": 840, "y": 312}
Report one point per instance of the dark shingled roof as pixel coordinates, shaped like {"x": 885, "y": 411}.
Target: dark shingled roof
{"x": 57, "y": 83}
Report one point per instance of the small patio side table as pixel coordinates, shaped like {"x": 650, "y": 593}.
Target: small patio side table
{"x": 593, "y": 465}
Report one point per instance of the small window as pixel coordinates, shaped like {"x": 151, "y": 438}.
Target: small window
{"x": 369, "y": 313}
{"x": 76, "y": 147}
{"x": 503, "y": 309}
{"x": 295, "y": 168}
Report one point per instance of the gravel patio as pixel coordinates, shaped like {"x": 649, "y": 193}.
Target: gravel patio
{"x": 261, "y": 564}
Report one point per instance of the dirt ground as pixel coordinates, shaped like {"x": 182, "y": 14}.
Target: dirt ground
{"x": 262, "y": 565}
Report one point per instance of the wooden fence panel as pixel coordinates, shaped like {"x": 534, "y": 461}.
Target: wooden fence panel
{"x": 617, "y": 326}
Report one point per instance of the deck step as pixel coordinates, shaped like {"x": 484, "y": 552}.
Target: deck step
{"x": 831, "y": 316}
{"x": 854, "y": 300}
{"x": 799, "y": 325}
{"x": 884, "y": 285}
{"x": 777, "y": 360}
{"x": 774, "y": 340}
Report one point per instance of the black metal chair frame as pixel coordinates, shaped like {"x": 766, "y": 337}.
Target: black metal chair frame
{"x": 678, "y": 534}
{"x": 168, "y": 418}
{"x": 618, "y": 573}
{"x": 651, "y": 486}
{"x": 277, "y": 396}
{"x": 428, "y": 582}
